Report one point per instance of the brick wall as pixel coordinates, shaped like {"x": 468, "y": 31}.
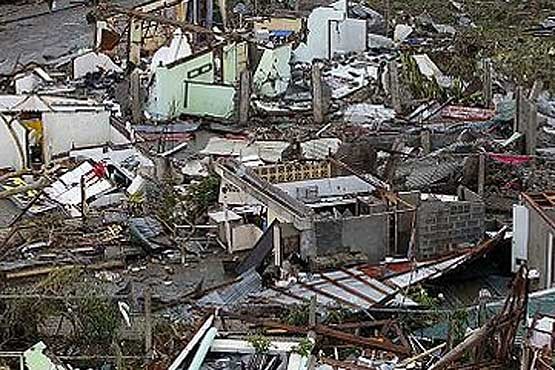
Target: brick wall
{"x": 445, "y": 226}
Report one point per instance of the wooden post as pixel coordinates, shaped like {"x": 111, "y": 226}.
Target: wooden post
{"x": 481, "y": 174}
{"x": 393, "y": 79}
{"x": 244, "y": 96}
{"x": 148, "y": 320}
{"x": 487, "y": 84}
{"x": 318, "y": 109}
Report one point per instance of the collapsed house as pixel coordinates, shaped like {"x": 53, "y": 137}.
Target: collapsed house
{"x": 37, "y": 129}
{"x": 274, "y": 185}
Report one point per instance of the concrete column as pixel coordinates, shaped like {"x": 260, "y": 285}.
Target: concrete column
{"x": 195, "y": 11}
{"x": 487, "y": 84}
{"x": 308, "y": 244}
{"x": 387, "y": 15}
{"x": 181, "y": 11}
{"x": 135, "y": 96}
{"x": 425, "y": 141}
{"x": 536, "y": 90}
{"x": 278, "y": 252}
{"x": 393, "y": 77}
{"x": 312, "y": 312}
{"x": 244, "y": 96}
{"x": 318, "y": 109}
{"x": 518, "y": 110}
{"x": 481, "y": 174}
{"x": 223, "y": 6}
{"x": 531, "y": 130}
{"x": 209, "y": 13}
{"x": 148, "y": 321}
{"x": 135, "y": 40}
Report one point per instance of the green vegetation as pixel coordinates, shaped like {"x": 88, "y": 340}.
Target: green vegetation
{"x": 500, "y": 34}
{"x": 260, "y": 343}
{"x": 304, "y": 348}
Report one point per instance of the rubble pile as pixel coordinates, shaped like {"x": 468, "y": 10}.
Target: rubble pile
{"x": 277, "y": 185}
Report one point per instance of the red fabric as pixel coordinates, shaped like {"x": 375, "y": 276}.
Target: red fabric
{"x": 510, "y": 158}
{"x": 99, "y": 170}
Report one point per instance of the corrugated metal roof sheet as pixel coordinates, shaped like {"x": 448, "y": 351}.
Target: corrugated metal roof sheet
{"x": 250, "y": 282}
{"x": 346, "y": 288}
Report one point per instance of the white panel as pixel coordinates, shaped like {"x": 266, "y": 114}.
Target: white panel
{"x": 64, "y": 131}
{"x": 520, "y": 235}
{"x": 9, "y": 155}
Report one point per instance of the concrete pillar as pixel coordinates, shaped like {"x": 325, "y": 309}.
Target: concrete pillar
{"x": 425, "y": 141}
{"x": 393, "y": 77}
{"x": 308, "y": 244}
{"x": 195, "y": 11}
{"x": 223, "y": 6}
{"x": 244, "y": 96}
{"x": 135, "y": 41}
{"x": 135, "y": 96}
{"x": 387, "y": 15}
{"x": 163, "y": 167}
{"x": 487, "y": 84}
{"x": 278, "y": 252}
{"x": 531, "y": 130}
{"x": 518, "y": 110}
{"x": 318, "y": 108}
{"x": 481, "y": 174}
{"x": 209, "y": 13}
{"x": 181, "y": 11}
{"x": 536, "y": 90}
{"x": 312, "y": 312}
{"x": 148, "y": 321}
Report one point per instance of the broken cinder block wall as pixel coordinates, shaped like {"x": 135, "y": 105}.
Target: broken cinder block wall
{"x": 444, "y": 226}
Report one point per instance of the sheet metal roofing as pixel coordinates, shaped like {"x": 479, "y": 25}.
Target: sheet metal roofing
{"x": 343, "y": 287}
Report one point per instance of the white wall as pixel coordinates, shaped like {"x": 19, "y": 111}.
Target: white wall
{"x": 329, "y": 27}
{"x": 9, "y": 155}
{"x": 521, "y": 222}
{"x": 349, "y": 37}
{"x": 66, "y": 130}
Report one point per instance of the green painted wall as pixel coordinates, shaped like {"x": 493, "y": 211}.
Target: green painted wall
{"x": 210, "y": 100}
{"x": 168, "y": 92}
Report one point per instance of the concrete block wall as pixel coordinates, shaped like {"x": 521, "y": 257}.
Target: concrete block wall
{"x": 445, "y": 226}
{"x": 368, "y": 234}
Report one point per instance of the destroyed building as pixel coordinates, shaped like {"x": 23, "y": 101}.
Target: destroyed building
{"x": 277, "y": 185}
